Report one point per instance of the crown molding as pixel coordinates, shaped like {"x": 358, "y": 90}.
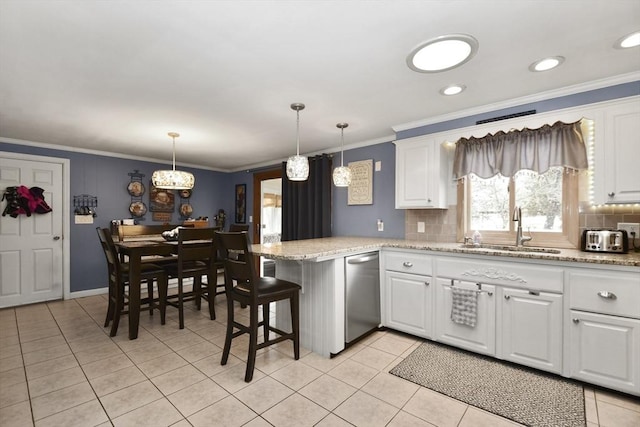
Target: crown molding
{"x": 542, "y": 96}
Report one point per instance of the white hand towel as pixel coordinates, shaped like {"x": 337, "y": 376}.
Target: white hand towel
{"x": 464, "y": 306}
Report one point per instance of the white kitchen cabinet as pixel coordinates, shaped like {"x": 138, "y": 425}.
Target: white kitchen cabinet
{"x": 480, "y": 338}
{"x": 407, "y": 292}
{"x": 605, "y": 350}
{"x": 409, "y": 302}
{"x": 530, "y": 328}
{"x": 604, "y": 329}
{"x": 617, "y": 154}
{"x": 422, "y": 173}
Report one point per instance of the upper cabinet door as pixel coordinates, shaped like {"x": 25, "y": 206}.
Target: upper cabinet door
{"x": 421, "y": 169}
{"x": 617, "y": 162}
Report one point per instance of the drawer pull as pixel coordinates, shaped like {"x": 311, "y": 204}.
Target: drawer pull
{"x": 507, "y": 297}
{"x": 408, "y": 264}
{"x": 607, "y": 295}
{"x": 534, "y": 293}
{"x": 576, "y": 320}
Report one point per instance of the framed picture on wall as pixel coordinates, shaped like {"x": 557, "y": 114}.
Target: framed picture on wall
{"x": 241, "y": 203}
{"x": 161, "y": 200}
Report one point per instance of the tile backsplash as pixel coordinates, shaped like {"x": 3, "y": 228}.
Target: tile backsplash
{"x": 440, "y": 224}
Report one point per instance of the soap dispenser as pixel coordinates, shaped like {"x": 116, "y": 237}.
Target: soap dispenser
{"x": 477, "y": 238}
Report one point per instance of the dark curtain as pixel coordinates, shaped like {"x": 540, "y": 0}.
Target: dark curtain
{"x": 306, "y": 205}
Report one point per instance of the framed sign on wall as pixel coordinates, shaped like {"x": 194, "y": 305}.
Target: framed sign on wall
{"x": 361, "y": 187}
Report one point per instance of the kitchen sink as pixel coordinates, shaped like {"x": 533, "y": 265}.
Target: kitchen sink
{"x": 511, "y": 248}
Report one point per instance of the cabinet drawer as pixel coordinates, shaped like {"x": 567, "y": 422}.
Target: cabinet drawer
{"x": 605, "y": 292}
{"x": 408, "y": 262}
{"x": 512, "y": 274}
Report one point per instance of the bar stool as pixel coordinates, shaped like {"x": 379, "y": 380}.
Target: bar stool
{"x": 243, "y": 285}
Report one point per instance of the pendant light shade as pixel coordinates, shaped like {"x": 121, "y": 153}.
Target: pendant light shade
{"x": 173, "y": 179}
{"x": 342, "y": 174}
{"x": 297, "y": 166}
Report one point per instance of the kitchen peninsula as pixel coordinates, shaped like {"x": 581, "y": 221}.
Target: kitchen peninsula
{"x": 565, "y": 301}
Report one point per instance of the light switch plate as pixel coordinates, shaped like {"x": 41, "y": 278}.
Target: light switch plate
{"x": 378, "y": 165}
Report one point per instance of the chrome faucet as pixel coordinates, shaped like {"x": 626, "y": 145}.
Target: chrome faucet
{"x": 517, "y": 217}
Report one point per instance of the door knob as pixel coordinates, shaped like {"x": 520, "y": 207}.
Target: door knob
{"x": 56, "y": 237}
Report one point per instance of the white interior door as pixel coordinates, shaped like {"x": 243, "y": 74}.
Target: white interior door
{"x": 31, "y": 248}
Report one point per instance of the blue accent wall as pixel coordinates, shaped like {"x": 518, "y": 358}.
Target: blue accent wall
{"x": 107, "y": 179}
{"x": 361, "y": 220}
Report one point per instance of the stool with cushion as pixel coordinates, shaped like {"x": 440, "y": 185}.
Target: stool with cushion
{"x": 243, "y": 285}
{"x": 118, "y": 272}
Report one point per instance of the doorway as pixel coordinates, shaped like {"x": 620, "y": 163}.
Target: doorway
{"x": 267, "y": 213}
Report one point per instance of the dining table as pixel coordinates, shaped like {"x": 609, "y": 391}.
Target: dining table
{"x": 135, "y": 250}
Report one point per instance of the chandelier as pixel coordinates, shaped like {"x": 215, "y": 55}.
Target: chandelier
{"x": 173, "y": 179}
{"x": 297, "y": 166}
{"x": 342, "y": 174}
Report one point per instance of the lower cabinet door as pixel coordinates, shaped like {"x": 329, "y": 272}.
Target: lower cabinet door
{"x": 530, "y": 329}
{"x": 480, "y": 338}
{"x": 409, "y": 303}
{"x": 605, "y": 350}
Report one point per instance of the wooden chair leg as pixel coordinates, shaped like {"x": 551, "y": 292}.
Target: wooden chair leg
{"x": 119, "y": 306}
{"x": 253, "y": 343}
{"x": 152, "y": 304}
{"x": 295, "y": 324}
{"x": 197, "y": 291}
{"x": 163, "y": 286}
{"x": 111, "y": 307}
{"x": 265, "y": 321}
{"x": 211, "y": 296}
{"x": 180, "y": 304}
{"x": 229, "y": 335}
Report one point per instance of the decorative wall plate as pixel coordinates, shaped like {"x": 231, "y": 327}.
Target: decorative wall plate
{"x": 138, "y": 209}
{"x": 186, "y": 210}
{"x": 136, "y": 188}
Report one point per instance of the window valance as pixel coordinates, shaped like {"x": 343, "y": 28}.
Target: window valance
{"x": 505, "y": 153}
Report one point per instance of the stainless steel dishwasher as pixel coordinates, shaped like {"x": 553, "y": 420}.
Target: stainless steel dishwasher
{"x": 362, "y": 295}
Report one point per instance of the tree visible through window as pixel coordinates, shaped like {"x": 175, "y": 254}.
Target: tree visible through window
{"x": 491, "y": 201}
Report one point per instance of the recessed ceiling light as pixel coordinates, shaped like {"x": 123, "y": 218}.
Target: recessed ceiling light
{"x": 630, "y": 40}
{"x": 452, "y": 89}
{"x": 442, "y": 53}
{"x": 546, "y": 63}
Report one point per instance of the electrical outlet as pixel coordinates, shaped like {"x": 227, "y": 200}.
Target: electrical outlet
{"x": 630, "y": 227}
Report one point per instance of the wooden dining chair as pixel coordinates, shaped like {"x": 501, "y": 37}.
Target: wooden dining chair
{"x": 197, "y": 257}
{"x": 118, "y": 273}
{"x": 243, "y": 285}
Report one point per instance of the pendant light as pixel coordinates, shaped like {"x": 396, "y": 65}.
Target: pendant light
{"x": 297, "y": 166}
{"x": 173, "y": 179}
{"x": 342, "y": 174}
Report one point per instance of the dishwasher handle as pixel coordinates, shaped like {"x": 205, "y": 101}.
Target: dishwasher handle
{"x": 362, "y": 259}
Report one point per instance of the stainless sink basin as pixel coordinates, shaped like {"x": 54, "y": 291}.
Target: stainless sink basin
{"x": 510, "y": 248}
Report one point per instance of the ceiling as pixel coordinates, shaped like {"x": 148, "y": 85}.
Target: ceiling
{"x": 116, "y": 76}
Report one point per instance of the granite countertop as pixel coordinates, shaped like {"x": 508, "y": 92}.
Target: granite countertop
{"x": 330, "y": 247}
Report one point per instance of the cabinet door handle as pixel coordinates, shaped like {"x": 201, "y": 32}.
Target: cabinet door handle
{"x": 427, "y": 283}
{"x": 507, "y": 297}
{"x": 607, "y": 295}
{"x": 407, "y": 264}
{"x": 576, "y": 320}
{"x": 611, "y": 194}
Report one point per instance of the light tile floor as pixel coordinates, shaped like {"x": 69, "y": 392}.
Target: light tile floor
{"x": 59, "y": 367}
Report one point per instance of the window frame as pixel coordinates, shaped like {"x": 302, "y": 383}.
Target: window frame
{"x": 567, "y": 238}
